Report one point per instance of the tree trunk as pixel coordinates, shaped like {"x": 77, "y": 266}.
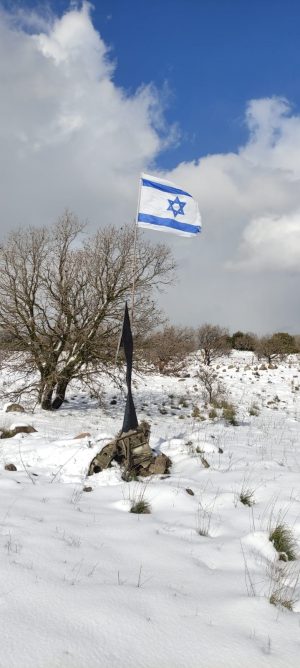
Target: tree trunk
{"x": 60, "y": 393}
{"x": 207, "y": 359}
{"x": 161, "y": 365}
{"x": 46, "y": 399}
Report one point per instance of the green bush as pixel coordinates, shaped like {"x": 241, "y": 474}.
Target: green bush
{"x": 284, "y": 542}
{"x": 141, "y": 507}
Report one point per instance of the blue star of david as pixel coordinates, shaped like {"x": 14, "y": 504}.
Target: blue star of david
{"x": 178, "y": 204}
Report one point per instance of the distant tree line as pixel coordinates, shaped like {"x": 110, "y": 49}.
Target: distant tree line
{"x": 169, "y": 346}
{"x": 164, "y": 348}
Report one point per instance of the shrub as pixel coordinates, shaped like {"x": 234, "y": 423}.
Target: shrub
{"x": 141, "y": 507}
{"x": 205, "y": 516}
{"x": 229, "y": 414}
{"x": 284, "y": 542}
{"x": 209, "y": 379}
{"x": 6, "y": 433}
{"x": 283, "y": 586}
{"x": 247, "y": 497}
{"x": 138, "y": 504}
{"x": 254, "y": 410}
{"x": 276, "y": 598}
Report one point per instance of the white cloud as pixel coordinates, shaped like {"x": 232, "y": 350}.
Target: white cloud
{"x": 70, "y": 137}
{"x": 270, "y": 243}
{"x": 29, "y": 19}
{"x": 73, "y": 40}
{"x": 274, "y": 136}
{"x": 251, "y": 199}
{"x": 250, "y": 202}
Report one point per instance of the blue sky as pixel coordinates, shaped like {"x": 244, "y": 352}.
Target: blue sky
{"x": 211, "y": 55}
{"x": 214, "y": 54}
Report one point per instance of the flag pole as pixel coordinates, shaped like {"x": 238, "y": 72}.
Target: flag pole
{"x": 133, "y": 268}
{"x": 134, "y": 253}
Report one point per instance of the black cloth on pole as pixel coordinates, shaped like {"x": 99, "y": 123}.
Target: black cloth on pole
{"x": 130, "y": 419}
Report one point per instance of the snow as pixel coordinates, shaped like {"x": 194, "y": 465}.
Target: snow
{"x": 84, "y": 582}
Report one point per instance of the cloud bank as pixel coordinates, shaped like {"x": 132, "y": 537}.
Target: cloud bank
{"x": 70, "y": 137}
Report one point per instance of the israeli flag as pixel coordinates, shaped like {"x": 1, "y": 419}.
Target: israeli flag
{"x": 163, "y": 206}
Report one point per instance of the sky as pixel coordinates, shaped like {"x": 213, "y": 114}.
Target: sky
{"x": 203, "y": 92}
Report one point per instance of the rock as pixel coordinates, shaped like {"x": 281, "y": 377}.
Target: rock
{"x": 23, "y": 429}
{"x": 87, "y": 489}
{"x": 190, "y": 491}
{"x": 132, "y": 451}
{"x": 157, "y": 466}
{"x": 17, "y": 429}
{"x": 14, "y": 408}
{"x": 83, "y": 434}
{"x": 10, "y": 467}
{"x": 204, "y": 462}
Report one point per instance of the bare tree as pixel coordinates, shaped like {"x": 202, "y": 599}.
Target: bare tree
{"x": 209, "y": 380}
{"x": 62, "y": 297}
{"x": 213, "y": 341}
{"x": 169, "y": 347}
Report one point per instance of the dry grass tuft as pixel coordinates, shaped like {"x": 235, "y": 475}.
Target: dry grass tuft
{"x": 284, "y": 542}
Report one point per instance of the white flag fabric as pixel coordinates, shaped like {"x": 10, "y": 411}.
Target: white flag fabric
{"x": 164, "y": 206}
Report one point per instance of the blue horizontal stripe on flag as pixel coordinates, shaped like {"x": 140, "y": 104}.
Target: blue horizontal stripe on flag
{"x": 168, "y": 222}
{"x": 164, "y": 187}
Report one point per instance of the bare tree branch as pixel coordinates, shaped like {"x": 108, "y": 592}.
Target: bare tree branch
{"x": 62, "y": 297}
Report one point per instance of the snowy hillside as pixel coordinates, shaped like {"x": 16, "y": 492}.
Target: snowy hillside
{"x": 86, "y": 583}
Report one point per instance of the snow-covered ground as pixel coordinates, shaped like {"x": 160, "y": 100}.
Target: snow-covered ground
{"x": 84, "y": 582}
